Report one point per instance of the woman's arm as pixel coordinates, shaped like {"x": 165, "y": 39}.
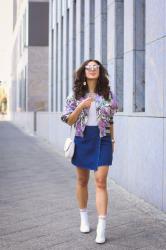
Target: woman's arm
{"x": 112, "y": 135}
{"x": 75, "y": 114}
{"x": 112, "y": 131}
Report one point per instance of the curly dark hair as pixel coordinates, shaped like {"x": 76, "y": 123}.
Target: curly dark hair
{"x": 102, "y": 87}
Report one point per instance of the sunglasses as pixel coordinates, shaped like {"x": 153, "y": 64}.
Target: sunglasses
{"x": 92, "y": 67}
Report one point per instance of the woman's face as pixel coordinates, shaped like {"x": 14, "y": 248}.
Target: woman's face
{"x": 92, "y": 70}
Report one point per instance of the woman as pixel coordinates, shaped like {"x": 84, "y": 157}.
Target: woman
{"x": 90, "y": 108}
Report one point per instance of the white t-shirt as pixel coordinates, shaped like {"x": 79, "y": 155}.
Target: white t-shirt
{"x": 92, "y": 117}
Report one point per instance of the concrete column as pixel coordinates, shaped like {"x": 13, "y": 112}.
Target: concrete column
{"x": 92, "y": 29}
{"x": 54, "y": 45}
{"x": 64, "y": 52}
{"x": 86, "y": 30}
{"x": 134, "y": 56}
{"x": 82, "y": 28}
{"x": 128, "y": 56}
{"x": 71, "y": 42}
{"x": 155, "y": 57}
{"x": 59, "y": 56}
{"x": 50, "y": 56}
{"x": 155, "y": 88}
{"x": 98, "y": 54}
{"x": 104, "y": 32}
{"x": 115, "y": 41}
{"x": 111, "y": 41}
{"x": 89, "y": 31}
{"x": 78, "y": 33}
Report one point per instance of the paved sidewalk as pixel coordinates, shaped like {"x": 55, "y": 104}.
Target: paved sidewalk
{"x": 38, "y": 208}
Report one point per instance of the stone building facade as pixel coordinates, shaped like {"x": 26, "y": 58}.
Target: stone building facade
{"x": 129, "y": 38}
{"x": 29, "y": 70}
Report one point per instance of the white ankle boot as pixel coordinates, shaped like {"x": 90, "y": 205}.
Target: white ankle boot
{"x": 101, "y": 226}
{"x": 84, "y": 227}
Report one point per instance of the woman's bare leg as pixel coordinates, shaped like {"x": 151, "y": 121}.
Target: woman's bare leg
{"x": 101, "y": 202}
{"x": 82, "y": 197}
{"x": 82, "y": 187}
{"x": 101, "y": 190}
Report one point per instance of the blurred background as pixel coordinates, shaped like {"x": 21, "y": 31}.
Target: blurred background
{"x": 5, "y": 53}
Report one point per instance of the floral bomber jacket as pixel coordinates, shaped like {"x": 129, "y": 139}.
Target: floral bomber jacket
{"x": 105, "y": 109}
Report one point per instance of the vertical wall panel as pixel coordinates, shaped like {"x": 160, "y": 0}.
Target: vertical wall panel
{"x": 119, "y": 52}
{"x": 74, "y": 34}
{"x": 98, "y": 54}
{"x": 59, "y": 61}
{"x": 92, "y": 29}
{"x": 82, "y": 28}
{"x": 104, "y": 32}
{"x": 87, "y": 30}
{"x": 61, "y": 64}
{"x": 128, "y": 56}
{"x": 67, "y": 52}
{"x": 155, "y": 57}
{"x": 78, "y": 32}
{"x": 139, "y": 56}
{"x": 72, "y": 15}
{"x": 115, "y": 48}
{"x": 56, "y": 66}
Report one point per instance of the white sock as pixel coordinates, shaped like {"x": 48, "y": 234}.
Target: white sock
{"x": 102, "y": 221}
{"x": 84, "y": 215}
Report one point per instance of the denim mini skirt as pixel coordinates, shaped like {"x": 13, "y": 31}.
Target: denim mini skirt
{"x": 91, "y": 150}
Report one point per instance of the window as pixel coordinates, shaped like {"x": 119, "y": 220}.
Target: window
{"x": 119, "y": 52}
{"x": 61, "y": 67}
{"x": 67, "y": 53}
{"x": 38, "y": 23}
{"x": 139, "y": 57}
{"x": 57, "y": 56}
{"x": 22, "y": 90}
{"x": 92, "y": 29}
{"x": 74, "y": 34}
{"x": 52, "y": 71}
{"x": 82, "y": 31}
{"x": 24, "y": 30}
{"x": 104, "y": 32}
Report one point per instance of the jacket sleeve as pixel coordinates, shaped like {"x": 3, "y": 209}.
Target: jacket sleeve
{"x": 69, "y": 107}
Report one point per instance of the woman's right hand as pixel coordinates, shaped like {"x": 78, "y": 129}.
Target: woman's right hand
{"x": 74, "y": 115}
{"x": 86, "y": 103}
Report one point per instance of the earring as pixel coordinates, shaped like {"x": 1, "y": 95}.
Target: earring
{"x": 84, "y": 83}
